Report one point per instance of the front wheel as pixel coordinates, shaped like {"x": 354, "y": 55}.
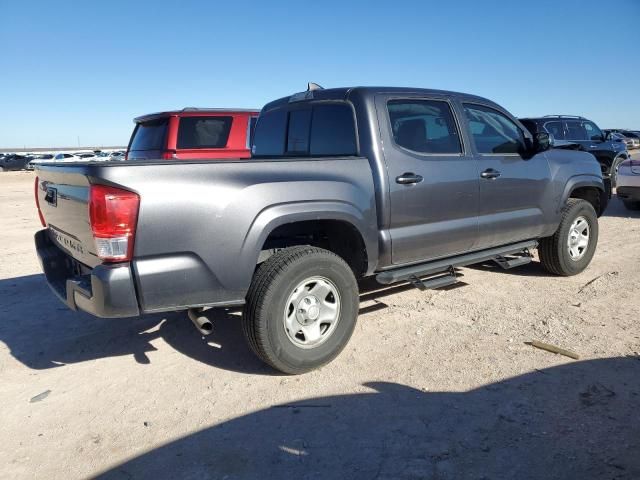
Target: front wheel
{"x": 570, "y": 250}
{"x": 301, "y": 309}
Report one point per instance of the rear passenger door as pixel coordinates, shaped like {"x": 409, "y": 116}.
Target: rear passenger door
{"x": 515, "y": 191}
{"x": 433, "y": 181}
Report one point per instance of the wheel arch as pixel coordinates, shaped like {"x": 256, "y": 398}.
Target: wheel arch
{"x": 340, "y": 217}
{"x": 589, "y": 188}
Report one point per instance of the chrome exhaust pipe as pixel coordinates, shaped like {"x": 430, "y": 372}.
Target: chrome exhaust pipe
{"x": 202, "y": 323}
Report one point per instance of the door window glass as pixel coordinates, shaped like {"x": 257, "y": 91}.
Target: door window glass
{"x": 576, "y": 130}
{"x": 204, "y": 132}
{"x": 593, "y": 132}
{"x": 556, "y": 129}
{"x": 425, "y": 126}
{"x": 492, "y": 131}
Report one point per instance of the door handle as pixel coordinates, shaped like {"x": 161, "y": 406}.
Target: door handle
{"x": 490, "y": 174}
{"x": 408, "y": 178}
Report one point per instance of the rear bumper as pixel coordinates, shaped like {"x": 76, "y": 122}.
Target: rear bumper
{"x": 106, "y": 291}
{"x": 629, "y": 193}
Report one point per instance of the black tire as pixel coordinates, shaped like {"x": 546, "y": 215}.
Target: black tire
{"x": 554, "y": 251}
{"x": 614, "y": 171}
{"x": 264, "y": 312}
{"x": 631, "y": 205}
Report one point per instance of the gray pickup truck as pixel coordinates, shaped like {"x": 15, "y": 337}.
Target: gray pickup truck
{"x": 402, "y": 184}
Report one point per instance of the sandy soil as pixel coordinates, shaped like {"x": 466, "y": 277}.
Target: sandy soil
{"x": 439, "y": 384}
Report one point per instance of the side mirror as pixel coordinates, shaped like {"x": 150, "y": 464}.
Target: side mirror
{"x": 542, "y": 142}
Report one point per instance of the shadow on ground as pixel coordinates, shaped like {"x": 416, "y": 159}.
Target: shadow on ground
{"x": 577, "y": 421}
{"x": 43, "y": 333}
{"x": 617, "y": 209}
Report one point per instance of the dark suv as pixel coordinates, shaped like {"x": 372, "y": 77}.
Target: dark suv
{"x": 587, "y": 135}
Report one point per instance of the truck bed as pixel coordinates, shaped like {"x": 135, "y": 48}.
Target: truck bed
{"x": 201, "y": 224}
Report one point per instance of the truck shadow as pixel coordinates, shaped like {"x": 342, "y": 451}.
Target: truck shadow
{"x": 617, "y": 209}
{"x": 576, "y": 421}
{"x": 533, "y": 269}
{"x": 42, "y": 333}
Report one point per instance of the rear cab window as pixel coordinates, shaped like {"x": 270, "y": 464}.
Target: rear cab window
{"x": 150, "y": 135}
{"x": 311, "y": 130}
{"x": 203, "y": 132}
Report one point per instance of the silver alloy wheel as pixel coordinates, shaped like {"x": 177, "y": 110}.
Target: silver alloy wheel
{"x": 578, "y": 240}
{"x": 312, "y": 312}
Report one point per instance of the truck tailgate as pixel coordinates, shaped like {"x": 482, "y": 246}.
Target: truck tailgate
{"x": 63, "y": 196}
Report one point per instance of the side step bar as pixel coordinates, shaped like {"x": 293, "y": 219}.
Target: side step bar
{"x": 437, "y": 281}
{"x": 497, "y": 254}
{"x": 511, "y": 262}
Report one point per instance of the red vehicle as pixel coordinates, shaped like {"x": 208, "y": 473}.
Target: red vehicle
{"x": 193, "y": 133}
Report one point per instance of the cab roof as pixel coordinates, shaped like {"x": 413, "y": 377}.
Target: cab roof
{"x": 193, "y": 110}
{"x": 347, "y": 93}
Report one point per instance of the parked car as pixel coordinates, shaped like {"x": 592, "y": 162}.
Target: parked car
{"x": 628, "y": 189}
{"x": 632, "y": 140}
{"x": 634, "y": 136}
{"x": 192, "y": 133}
{"x": 618, "y": 137}
{"x": 588, "y": 135}
{"x": 13, "y": 161}
{"x": 43, "y": 157}
{"x": 117, "y": 156}
{"x": 401, "y": 184}
{"x": 65, "y": 157}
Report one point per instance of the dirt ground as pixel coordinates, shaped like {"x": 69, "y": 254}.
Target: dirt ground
{"x": 437, "y": 384}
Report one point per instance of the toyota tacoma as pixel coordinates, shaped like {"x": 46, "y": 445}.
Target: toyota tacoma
{"x": 400, "y": 184}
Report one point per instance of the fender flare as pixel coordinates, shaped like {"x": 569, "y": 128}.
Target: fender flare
{"x": 580, "y": 181}
{"x": 277, "y": 215}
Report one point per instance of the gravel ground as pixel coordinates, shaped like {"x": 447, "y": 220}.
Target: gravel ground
{"x": 437, "y": 384}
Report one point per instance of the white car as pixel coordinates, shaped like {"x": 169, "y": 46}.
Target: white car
{"x": 65, "y": 157}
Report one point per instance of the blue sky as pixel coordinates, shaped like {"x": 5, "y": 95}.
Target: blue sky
{"x": 85, "y": 69}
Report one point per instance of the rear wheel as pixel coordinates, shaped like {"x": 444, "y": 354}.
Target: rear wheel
{"x": 570, "y": 250}
{"x": 301, "y": 309}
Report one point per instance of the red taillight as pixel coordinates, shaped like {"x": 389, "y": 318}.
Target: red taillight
{"x": 113, "y": 214}
{"x": 35, "y": 189}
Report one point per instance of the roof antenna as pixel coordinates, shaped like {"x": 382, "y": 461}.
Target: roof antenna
{"x": 313, "y": 86}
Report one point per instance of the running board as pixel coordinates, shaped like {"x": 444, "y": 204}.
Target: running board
{"x": 440, "y": 266}
{"x": 437, "y": 281}
{"x": 515, "y": 261}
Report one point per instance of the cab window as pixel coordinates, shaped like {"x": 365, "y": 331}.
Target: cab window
{"x": 424, "y": 126}
{"x": 492, "y": 131}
